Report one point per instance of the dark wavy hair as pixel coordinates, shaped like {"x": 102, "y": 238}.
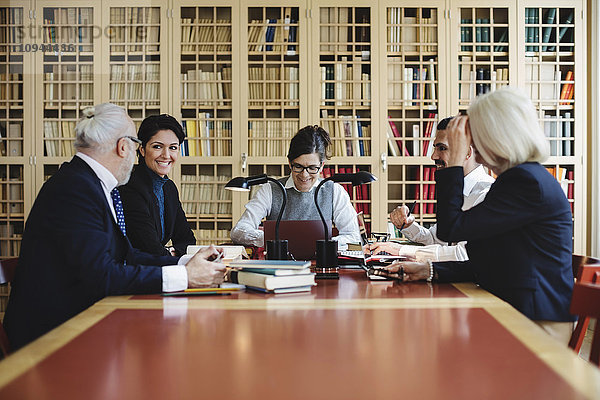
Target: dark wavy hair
{"x": 308, "y": 140}
{"x": 154, "y": 123}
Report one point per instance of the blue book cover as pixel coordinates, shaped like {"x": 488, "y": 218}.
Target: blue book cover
{"x": 361, "y": 144}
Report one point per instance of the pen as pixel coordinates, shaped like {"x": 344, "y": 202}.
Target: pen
{"x": 410, "y": 210}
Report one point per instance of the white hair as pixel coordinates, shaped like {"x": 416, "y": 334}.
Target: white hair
{"x": 505, "y": 129}
{"x": 101, "y": 127}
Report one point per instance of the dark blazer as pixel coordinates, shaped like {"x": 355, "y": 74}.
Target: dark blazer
{"x": 72, "y": 255}
{"x": 519, "y": 239}
{"x": 142, "y": 215}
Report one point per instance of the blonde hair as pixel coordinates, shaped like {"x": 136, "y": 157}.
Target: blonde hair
{"x": 101, "y": 126}
{"x": 505, "y": 129}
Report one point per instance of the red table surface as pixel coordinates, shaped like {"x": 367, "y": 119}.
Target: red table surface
{"x": 445, "y": 353}
{"x": 353, "y": 284}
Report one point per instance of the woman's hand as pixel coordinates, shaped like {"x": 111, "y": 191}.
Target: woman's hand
{"x": 459, "y": 140}
{"x": 379, "y": 247}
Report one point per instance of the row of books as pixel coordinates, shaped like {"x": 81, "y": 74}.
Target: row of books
{"x": 350, "y": 135}
{"x": 407, "y": 27}
{"x": 282, "y": 34}
{"x": 544, "y": 81}
{"x": 63, "y": 82}
{"x": 343, "y": 81}
{"x": 469, "y": 74}
{"x": 271, "y": 138}
{"x": 336, "y": 27}
{"x": 205, "y": 194}
{"x": 565, "y": 176}
{"x": 532, "y": 33}
{"x": 211, "y": 236}
{"x": 58, "y": 138}
{"x": 267, "y": 84}
{"x": 135, "y": 25}
{"x": 214, "y": 35}
{"x": 273, "y": 276}
{"x": 11, "y": 86}
{"x": 482, "y": 35}
{"x": 207, "y": 137}
{"x": 412, "y": 85}
{"x": 135, "y": 82}
{"x": 399, "y": 143}
{"x": 559, "y": 133}
{"x": 428, "y": 193}
{"x": 11, "y": 201}
{"x": 68, "y": 25}
{"x": 206, "y": 87}
{"x": 10, "y": 247}
{"x": 13, "y": 17}
{"x": 11, "y": 140}
{"x": 362, "y": 198}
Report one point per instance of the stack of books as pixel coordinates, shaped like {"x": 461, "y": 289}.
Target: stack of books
{"x": 273, "y": 276}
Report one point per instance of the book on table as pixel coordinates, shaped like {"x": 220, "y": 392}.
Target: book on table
{"x": 271, "y": 282}
{"x": 283, "y": 290}
{"x": 270, "y": 264}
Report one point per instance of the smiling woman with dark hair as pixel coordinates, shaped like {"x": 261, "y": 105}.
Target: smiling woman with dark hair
{"x": 153, "y": 212}
{"x": 309, "y": 149}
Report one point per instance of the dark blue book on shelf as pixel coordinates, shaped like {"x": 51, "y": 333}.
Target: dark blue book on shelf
{"x": 485, "y": 34}
{"x": 361, "y": 145}
{"x": 478, "y": 34}
{"x": 270, "y": 35}
{"x": 292, "y": 37}
{"x": 550, "y": 15}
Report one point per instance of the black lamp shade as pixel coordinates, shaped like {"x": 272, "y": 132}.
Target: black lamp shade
{"x": 357, "y": 178}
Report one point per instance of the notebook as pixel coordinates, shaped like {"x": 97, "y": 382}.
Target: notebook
{"x": 302, "y": 236}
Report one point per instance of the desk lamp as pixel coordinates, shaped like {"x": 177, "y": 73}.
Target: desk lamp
{"x": 276, "y": 249}
{"x": 327, "y": 264}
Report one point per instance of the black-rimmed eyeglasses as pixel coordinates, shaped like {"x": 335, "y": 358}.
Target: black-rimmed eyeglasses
{"x": 138, "y": 142}
{"x": 311, "y": 169}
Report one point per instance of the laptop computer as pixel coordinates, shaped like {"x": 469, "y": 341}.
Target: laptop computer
{"x": 302, "y": 236}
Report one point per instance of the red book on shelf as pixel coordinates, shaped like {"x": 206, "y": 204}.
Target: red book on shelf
{"x": 570, "y": 188}
{"x": 431, "y": 206}
{"x": 426, "y": 184}
{"x": 416, "y": 197}
{"x": 567, "y": 88}
{"x": 428, "y": 132}
{"x": 400, "y": 142}
{"x": 326, "y": 172}
{"x": 365, "y": 196}
{"x": 359, "y": 205}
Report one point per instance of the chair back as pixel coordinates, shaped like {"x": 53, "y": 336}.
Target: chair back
{"x": 7, "y": 274}
{"x": 588, "y": 271}
{"x": 578, "y": 261}
{"x": 586, "y": 303}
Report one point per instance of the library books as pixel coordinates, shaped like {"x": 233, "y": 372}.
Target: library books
{"x": 558, "y": 130}
{"x": 208, "y": 236}
{"x": 205, "y": 194}
{"x": 207, "y": 136}
{"x": 263, "y": 274}
{"x": 274, "y": 35}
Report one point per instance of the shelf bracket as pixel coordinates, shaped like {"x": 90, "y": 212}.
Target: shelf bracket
{"x": 244, "y": 162}
{"x": 383, "y": 161}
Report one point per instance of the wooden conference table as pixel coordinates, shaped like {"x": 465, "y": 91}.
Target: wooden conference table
{"x": 347, "y": 339}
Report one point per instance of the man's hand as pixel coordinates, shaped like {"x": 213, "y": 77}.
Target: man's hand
{"x": 459, "y": 140}
{"x": 202, "y": 272}
{"x": 400, "y": 216}
{"x": 413, "y": 271}
{"x": 379, "y": 247}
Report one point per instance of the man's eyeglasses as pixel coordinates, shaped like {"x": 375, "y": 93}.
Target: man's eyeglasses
{"x": 135, "y": 140}
{"x": 311, "y": 169}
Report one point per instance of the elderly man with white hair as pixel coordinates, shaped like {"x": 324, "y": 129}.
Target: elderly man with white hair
{"x": 75, "y": 250}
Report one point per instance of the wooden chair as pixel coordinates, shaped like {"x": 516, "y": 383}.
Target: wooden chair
{"x": 586, "y": 303}
{"x": 7, "y": 274}
{"x": 578, "y": 261}
{"x": 585, "y": 270}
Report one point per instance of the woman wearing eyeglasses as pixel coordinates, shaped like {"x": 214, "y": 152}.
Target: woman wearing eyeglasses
{"x": 308, "y": 151}
{"x": 153, "y": 213}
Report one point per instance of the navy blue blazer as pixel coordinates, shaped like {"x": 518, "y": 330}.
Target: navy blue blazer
{"x": 519, "y": 239}
{"x": 72, "y": 255}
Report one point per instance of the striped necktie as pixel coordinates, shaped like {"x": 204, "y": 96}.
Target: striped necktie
{"x": 116, "y": 198}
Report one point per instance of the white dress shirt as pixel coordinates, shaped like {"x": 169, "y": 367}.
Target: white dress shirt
{"x": 174, "y": 277}
{"x": 476, "y": 185}
{"x": 344, "y": 216}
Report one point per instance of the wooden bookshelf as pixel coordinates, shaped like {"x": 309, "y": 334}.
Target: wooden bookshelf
{"x": 205, "y": 98}
{"x": 414, "y": 60}
{"x": 244, "y": 76}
